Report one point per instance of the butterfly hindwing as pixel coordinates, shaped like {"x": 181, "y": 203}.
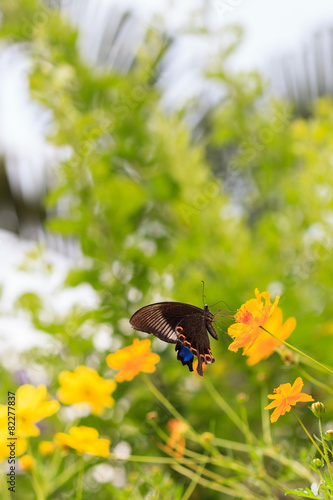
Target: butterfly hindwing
{"x": 193, "y": 335}
{"x": 184, "y": 356}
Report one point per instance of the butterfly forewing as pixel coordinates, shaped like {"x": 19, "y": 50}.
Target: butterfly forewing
{"x": 161, "y": 319}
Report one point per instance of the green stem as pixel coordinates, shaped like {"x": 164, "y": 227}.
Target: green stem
{"x": 227, "y": 409}
{"x": 195, "y": 459}
{"x": 314, "y": 381}
{"x": 294, "y": 465}
{"x": 34, "y": 479}
{"x": 194, "y": 482}
{"x": 79, "y": 484}
{"x": 223, "y": 462}
{"x": 217, "y": 458}
{"x": 65, "y": 476}
{"x": 310, "y": 437}
{"x": 37, "y": 487}
{"x": 165, "y": 402}
{"x": 326, "y": 368}
{"x": 266, "y": 428}
{"x": 230, "y": 445}
{"x": 192, "y": 433}
{"x": 212, "y": 485}
{"x": 152, "y": 460}
{"x": 323, "y": 482}
{"x": 199, "y": 459}
{"x": 196, "y": 462}
{"x": 220, "y": 460}
{"x": 268, "y": 452}
{"x": 3, "y": 487}
{"x": 54, "y": 465}
{"x": 325, "y": 448}
{"x": 248, "y": 436}
{"x": 330, "y": 449}
{"x": 241, "y": 491}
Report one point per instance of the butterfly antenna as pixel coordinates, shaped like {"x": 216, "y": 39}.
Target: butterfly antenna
{"x": 224, "y": 302}
{"x": 203, "y": 293}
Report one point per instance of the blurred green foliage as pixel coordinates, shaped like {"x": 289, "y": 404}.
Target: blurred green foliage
{"x": 248, "y": 205}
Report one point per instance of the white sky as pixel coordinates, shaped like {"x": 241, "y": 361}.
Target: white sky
{"x": 273, "y": 28}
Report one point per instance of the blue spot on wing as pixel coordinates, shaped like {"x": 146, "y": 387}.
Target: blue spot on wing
{"x": 185, "y": 354}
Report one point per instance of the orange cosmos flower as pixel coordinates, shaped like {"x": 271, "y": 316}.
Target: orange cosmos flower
{"x": 249, "y": 318}
{"x": 84, "y": 440}
{"x": 132, "y": 360}
{"x": 84, "y": 385}
{"x": 285, "y": 397}
{"x": 265, "y": 344}
{"x": 176, "y": 440}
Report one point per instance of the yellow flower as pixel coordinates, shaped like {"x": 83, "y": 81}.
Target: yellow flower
{"x": 249, "y": 318}
{"x": 132, "y": 360}
{"x": 27, "y": 462}
{"x": 177, "y": 439}
{"x": 46, "y": 448}
{"x": 84, "y": 440}
{"x": 285, "y": 397}
{"x": 31, "y": 406}
{"x": 265, "y": 344}
{"x": 84, "y": 385}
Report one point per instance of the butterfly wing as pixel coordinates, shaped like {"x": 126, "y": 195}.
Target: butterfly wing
{"x": 162, "y": 318}
{"x": 192, "y": 335}
{"x": 184, "y": 356}
{"x": 177, "y": 323}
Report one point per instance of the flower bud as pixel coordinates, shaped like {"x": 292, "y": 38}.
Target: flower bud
{"x": 242, "y": 397}
{"x": 329, "y": 435}
{"x": 46, "y": 448}
{"x": 27, "y": 462}
{"x": 152, "y": 415}
{"x": 317, "y": 463}
{"x": 318, "y": 409}
{"x": 288, "y": 357}
{"x": 207, "y": 436}
{"x": 261, "y": 377}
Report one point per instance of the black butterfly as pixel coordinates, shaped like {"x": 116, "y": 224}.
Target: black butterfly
{"x": 180, "y": 324}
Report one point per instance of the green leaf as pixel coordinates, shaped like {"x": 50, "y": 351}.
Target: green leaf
{"x": 306, "y": 493}
{"x": 29, "y": 301}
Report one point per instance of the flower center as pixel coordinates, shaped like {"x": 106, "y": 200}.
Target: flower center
{"x": 244, "y": 317}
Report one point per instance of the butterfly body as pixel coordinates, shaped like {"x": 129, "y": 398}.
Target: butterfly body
{"x": 181, "y": 324}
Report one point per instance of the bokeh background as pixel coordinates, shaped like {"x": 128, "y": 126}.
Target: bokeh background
{"x": 144, "y": 149}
